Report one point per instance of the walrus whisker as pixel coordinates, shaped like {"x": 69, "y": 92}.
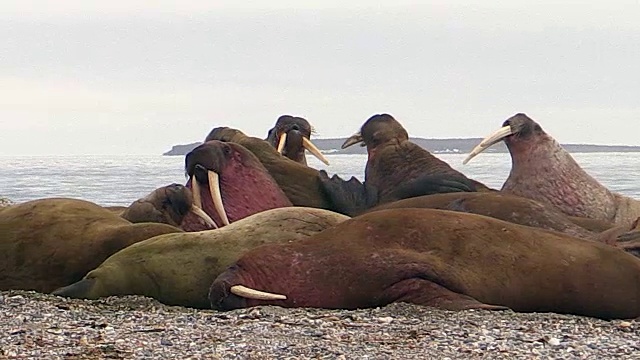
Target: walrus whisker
{"x": 249, "y": 293}
{"x": 307, "y": 144}
{"x": 354, "y": 139}
{"x": 204, "y": 216}
{"x": 214, "y": 189}
{"x": 282, "y": 142}
{"x": 489, "y": 141}
{"x": 195, "y": 190}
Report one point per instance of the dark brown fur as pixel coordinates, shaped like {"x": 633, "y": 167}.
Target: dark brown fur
{"x": 296, "y": 128}
{"x": 439, "y": 258}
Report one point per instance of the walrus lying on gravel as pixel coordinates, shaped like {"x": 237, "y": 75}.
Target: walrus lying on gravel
{"x": 518, "y": 210}
{"x": 229, "y": 183}
{"x": 177, "y": 269}
{"x": 542, "y": 170}
{"x": 438, "y": 258}
{"x": 171, "y": 204}
{"x": 291, "y": 136}
{"x": 49, "y": 243}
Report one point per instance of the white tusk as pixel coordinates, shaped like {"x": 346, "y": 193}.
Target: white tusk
{"x": 195, "y": 191}
{"x": 307, "y": 144}
{"x": 354, "y": 139}
{"x": 487, "y": 142}
{"x": 283, "y": 140}
{"x": 203, "y": 215}
{"x": 249, "y": 293}
{"x": 214, "y": 188}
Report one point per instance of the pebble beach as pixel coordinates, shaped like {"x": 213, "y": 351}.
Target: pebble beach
{"x": 40, "y": 326}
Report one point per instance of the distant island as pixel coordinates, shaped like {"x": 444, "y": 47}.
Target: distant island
{"x": 436, "y": 146}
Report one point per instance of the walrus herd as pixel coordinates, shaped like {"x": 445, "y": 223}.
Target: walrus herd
{"x": 254, "y": 224}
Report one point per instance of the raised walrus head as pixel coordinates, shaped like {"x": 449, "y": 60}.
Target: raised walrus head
{"x": 173, "y": 205}
{"x": 394, "y": 161}
{"x": 291, "y": 136}
{"x": 541, "y": 169}
{"x": 444, "y": 259}
{"x": 300, "y": 183}
{"x": 229, "y": 183}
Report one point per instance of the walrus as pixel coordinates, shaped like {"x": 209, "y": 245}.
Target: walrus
{"x": 523, "y": 211}
{"x": 541, "y": 169}
{"x": 54, "y": 242}
{"x": 229, "y": 183}
{"x": 445, "y": 259}
{"x": 301, "y": 184}
{"x": 171, "y": 204}
{"x": 291, "y": 135}
{"x": 177, "y": 269}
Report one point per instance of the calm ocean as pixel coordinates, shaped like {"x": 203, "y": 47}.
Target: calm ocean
{"x": 121, "y": 179}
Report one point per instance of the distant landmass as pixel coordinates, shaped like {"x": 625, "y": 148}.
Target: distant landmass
{"x": 436, "y": 146}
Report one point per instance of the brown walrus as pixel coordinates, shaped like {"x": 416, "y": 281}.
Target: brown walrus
{"x": 523, "y": 211}
{"x": 301, "y": 184}
{"x": 308, "y": 187}
{"x": 291, "y": 135}
{"x": 439, "y": 258}
{"x": 177, "y": 269}
{"x": 544, "y": 171}
{"x": 229, "y": 183}
{"x": 53, "y": 242}
{"x": 171, "y": 204}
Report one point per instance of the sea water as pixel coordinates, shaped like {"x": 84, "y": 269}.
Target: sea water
{"x": 122, "y": 179}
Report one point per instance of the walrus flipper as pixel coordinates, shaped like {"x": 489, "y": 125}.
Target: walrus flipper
{"x": 350, "y": 197}
{"x": 433, "y": 184}
{"x": 78, "y": 290}
{"x": 427, "y": 293}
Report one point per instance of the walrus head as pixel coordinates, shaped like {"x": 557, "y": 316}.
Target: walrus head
{"x": 229, "y": 183}
{"x": 291, "y": 136}
{"x": 376, "y": 131}
{"x": 173, "y": 205}
{"x": 516, "y": 131}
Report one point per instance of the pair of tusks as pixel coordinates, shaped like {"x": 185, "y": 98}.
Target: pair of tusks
{"x": 490, "y": 140}
{"x": 216, "y": 197}
{"x": 307, "y": 144}
{"x": 250, "y": 293}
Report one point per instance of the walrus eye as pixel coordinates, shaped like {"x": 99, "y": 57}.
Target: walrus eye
{"x": 537, "y": 128}
{"x": 227, "y": 150}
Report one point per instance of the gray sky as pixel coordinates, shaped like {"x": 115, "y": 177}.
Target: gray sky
{"x": 117, "y": 77}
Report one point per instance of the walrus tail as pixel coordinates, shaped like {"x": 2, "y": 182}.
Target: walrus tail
{"x": 78, "y": 290}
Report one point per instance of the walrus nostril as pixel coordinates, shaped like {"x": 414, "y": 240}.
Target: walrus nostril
{"x": 295, "y": 127}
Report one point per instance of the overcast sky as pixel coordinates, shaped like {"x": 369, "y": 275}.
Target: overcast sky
{"x": 117, "y": 77}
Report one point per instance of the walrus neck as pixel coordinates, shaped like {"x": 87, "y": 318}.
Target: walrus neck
{"x": 248, "y": 190}
{"x": 542, "y": 170}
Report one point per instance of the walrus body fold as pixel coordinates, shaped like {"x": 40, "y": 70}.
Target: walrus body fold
{"x": 177, "y": 269}
{"x": 438, "y": 258}
{"x": 48, "y": 243}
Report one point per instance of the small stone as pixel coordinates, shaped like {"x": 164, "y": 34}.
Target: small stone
{"x": 625, "y": 324}
{"x": 385, "y": 320}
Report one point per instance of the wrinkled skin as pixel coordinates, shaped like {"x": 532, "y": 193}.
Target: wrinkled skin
{"x": 49, "y": 243}
{"x": 523, "y": 211}
{"x": 245, "y": 185}
{"x": 177, "y": 269}
{"x": 168, "y": 205}
{"x": 296, "y": 128}
{"x": 544, "y": 171}
{"x": 438, "y": 258}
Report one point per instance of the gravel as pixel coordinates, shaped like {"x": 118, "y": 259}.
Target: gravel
{"x": 39, "y": 326}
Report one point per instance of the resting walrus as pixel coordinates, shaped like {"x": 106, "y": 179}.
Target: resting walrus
{"x": 229, "y": 183}
{"x": 171, "y": 204}
{"x": 177, "y": 269}
{"x": 439, "y": 258}
{"x": 544, "y": 171}
{"x": 49, "y": 243}
{"x": 291, "y": 136}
